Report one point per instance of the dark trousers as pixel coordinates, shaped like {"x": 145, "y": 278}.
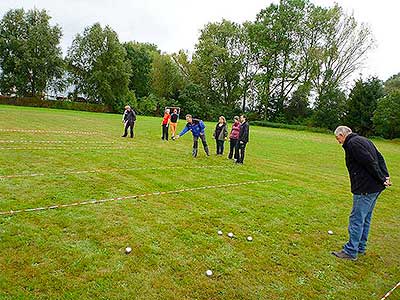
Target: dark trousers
{"x": 196, "y": 144}
{"x": 241, "y": 149}
{"x": 165, "y": 132}
{"x": 220, "y": 146}
{"x": 131, "y": 125}
{"x": 232, "y": 148}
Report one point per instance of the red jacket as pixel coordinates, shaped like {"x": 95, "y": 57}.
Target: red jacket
{"x": 165, "y": 119}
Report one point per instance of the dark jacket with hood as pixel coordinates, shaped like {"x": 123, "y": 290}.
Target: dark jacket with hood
{"x": 366, "y": 165}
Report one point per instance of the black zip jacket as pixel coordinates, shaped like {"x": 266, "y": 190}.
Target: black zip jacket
{"x": 366, "y": 165}
{"x": 244, "y": 132}
{"x": 129, "y": 116}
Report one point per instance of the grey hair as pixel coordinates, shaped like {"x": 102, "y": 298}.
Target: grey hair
{"x": 342, "y": 130}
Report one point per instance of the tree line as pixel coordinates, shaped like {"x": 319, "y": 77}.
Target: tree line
{"x": 292, "y": 64}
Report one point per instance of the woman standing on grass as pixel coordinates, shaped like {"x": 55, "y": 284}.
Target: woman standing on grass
{"x": 233, "y": 138}
{"x": 220, "y": 134}
{"x": 174, "y": 122}
{"x": 164, "y": 124}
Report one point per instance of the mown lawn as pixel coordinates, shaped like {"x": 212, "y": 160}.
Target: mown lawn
{"x": 78, "y": 252}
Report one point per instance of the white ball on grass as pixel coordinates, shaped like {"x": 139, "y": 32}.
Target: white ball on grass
{"x": 219, "y": 232}
{"x": 249, "y": 238}
{"x": 209, "y": 273}
{"x": 128, "y": 250}
{"x": 230, "y": 234}
{"x": 330, "y": 232}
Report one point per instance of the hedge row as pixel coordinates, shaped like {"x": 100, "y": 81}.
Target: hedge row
{"x": 288, "y": 126}
{"x": 35, "y": 102}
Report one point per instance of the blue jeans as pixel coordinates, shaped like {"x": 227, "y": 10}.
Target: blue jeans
{"x": 359, "y": 223}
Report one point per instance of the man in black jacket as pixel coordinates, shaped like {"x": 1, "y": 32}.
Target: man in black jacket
{"x": 243, "y": 139}
{"x": 368, "y": 177}
{"x": 128, "y": 118}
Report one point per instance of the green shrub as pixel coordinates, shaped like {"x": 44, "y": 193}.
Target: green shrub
{"x": 58, "y": 104}
{"x": 289, "y": 126}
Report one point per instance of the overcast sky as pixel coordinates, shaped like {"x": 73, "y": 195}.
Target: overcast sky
{"x": 175, "y": 24}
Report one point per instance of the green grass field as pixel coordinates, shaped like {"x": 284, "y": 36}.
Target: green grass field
{"x": 78, "y": 252}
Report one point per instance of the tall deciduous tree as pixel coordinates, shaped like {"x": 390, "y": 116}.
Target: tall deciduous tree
{"x": 140, "y": 56}
{"x": 166, "y": 79}
{"x": 99, "y": 67}
{"x": 219, "y": 62}
{"x": 340, "y": 50}
{"x": 30, "y": 54}
{"x": 283, "y": 38}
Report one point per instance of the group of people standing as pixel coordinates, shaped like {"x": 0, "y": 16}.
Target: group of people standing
{"x": 169, "y": 121}
{"x": 238, "y": 137}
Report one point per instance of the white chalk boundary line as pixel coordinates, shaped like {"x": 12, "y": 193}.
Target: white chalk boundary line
{"x": 52, "y": 142}
{"x": 208, "y": 187}
{"x": 106, "y": 147}
{"x": 48, "y": 131}
{"x": 391, "y": 291}
{"x": 105, "y": 170}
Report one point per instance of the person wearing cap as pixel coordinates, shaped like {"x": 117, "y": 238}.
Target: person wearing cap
{"x": 368, "y": 178}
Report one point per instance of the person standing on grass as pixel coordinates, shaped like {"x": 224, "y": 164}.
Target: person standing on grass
{"x": 233, "y": 138}
{"x": 220, "y": 134}
{"x": 174, "y": 123}
{"x": 368, "y": 178}
{"x": 197, "y": 127}
{"x": 243, "y": 139}
{"x": 128, "y": 118}
{"x": 165, "y": 123}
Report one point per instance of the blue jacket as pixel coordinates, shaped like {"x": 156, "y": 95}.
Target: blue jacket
{"x": 197, "y": 127}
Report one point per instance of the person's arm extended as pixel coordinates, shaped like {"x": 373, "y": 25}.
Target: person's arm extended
{"x": 184, "y": 130}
